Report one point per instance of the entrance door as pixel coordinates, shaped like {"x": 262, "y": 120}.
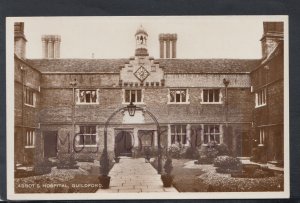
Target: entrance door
{"x": 123, "y": 143}
{"x": 244, "y": 147}
{"x": 50, "y": 144}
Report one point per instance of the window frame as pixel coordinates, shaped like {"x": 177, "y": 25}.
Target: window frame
{"x": 187, "y": 98}
{"x": 182, "y": 134}
{"x": 30, "y": 138}
{"x": 210, "y": 133}
{"x": 130, "y": 94}
{"x": 78, "y": 101}
{"x": 31, "y": 95}
{"x": 261, "y": 98}
{"x": 213, "y": 102}
{"x": 87, "y": 134}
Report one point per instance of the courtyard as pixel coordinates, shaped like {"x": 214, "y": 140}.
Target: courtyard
{"x": 137, "y": 175}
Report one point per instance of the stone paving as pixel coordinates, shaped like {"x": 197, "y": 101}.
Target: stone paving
{"x": 134, "y": 175}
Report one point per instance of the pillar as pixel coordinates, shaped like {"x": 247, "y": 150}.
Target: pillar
{"x": 168, "y": 48}
{"x": 50, "y": 49}
{"x": 188, "y": 134}
{"x": 155, "y": 138}
{"x": 169, "y": 135}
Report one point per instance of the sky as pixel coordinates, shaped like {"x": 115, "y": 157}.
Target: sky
{"x": 113, "y": 37}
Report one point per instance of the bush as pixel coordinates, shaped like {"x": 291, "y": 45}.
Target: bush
{"x": 227, "y": 162}
{"x": 174, "y": 151}
{"x": 222, "y": 150}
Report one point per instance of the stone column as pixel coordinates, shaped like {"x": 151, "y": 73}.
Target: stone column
{"x": 168, "y": 48}
{"x": 188, "y": 134}
{"x": 135, "y": 137}
{"x": 169, "y": 135}
{"x": 50, "y": 49}
{"x": 174, "y": 48}
{"x": 155, "y": 138}
{"x": 44, "y": 47}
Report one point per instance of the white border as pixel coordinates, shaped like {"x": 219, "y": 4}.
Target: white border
{"x": 89, "y": 196}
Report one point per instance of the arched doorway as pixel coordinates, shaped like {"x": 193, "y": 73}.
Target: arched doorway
{"x": 123, "y": 143}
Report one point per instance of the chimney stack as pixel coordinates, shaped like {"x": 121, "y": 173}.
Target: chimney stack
{"x": 273, "y": 34}
{"x": 20, "y": 40}
{"x": 167, "y": 45}
{"x": 51, "y": 46}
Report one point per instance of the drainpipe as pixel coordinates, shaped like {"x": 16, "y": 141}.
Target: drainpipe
{"x": 23, "y": 89}
{"x": 226, "y": 83}
{"x": 73, "y": 84}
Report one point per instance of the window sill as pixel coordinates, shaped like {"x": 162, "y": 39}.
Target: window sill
{"x": 206, "y": 145}
{"x": 178, "y": 103}
{"x": 29, "y": 105}
{"x": 87, "y": 103}
{"x": 260, "y": 106}
{"x": 136, "y": 103}
{"x": 211, "y": 102}
{"x": 29, "y": 147}
{"x": 86, "y": 145}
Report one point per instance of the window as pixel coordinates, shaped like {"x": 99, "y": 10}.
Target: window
{"x": 261, "y": 98}
{"x": 178, "y": 96}
{"x": 261, "y": 137}
{"x": 211, "y": 134}
{"x": 178, "y": 134}
{"x": 134, "y": 96}
{"x": 87, "y": 96}
{"x": 30, "y": 138}
{"x": 211, "y": 96}
{"x": 29, "y": 97}
{"x": 87, "y": 136}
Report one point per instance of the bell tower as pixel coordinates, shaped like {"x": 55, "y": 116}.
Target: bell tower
{"x": 141, "y": 37}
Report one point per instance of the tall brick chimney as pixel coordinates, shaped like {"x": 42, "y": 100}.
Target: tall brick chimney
{"x": 20, "y": 40}
{"x": 167, "y": 46}
{"x": 273, "y": 34}
{"x": 51, "y": 46}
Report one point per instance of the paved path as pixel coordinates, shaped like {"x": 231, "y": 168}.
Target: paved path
{"x": 134, "y": 175}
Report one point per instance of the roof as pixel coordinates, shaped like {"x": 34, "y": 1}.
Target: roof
{"x": 170, "y": 65}
{"x": 78, "y": 65}
{"x": 208, "y": 65}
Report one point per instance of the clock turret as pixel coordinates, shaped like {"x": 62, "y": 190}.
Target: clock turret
{"x": 141, "y": 37}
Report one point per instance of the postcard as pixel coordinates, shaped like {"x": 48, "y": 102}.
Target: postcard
{"x": 160, "y": 107}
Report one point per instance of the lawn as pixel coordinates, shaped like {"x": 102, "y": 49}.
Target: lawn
{"x": 185, "y": 179}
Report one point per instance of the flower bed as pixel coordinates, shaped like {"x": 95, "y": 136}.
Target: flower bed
{"x": 59, "y": 181}
{"x": 218, "y": 182}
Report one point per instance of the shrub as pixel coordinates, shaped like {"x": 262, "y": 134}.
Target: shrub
{"x": 260, "y": 174}
{"x": 222, "y": 150}
{"x": 168, "y": 166}
{"x": 227, "y": 162}
{"x": 174, "y": 151}
{"x": 190, "y": 153}
{"x": 250, "y": 168}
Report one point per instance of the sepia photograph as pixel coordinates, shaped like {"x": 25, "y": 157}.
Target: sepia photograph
{"x": 147, "y": 107}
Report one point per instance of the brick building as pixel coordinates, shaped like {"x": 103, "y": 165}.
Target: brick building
{"x": 61, "y": 105}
